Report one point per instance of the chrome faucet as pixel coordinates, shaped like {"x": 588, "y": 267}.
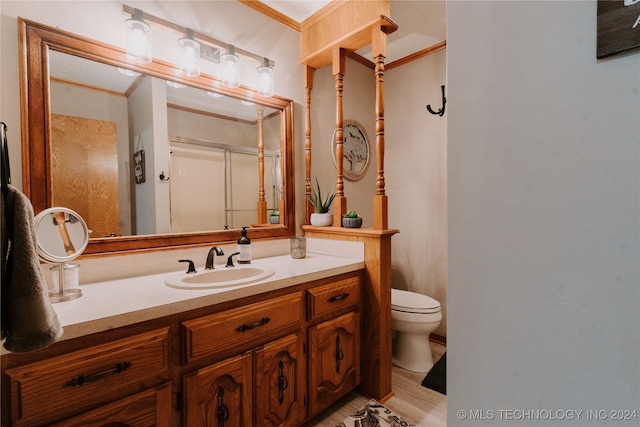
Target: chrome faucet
{"x": 212, "y": 252}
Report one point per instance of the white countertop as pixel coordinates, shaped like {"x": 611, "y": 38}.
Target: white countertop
{"x": 112, "y": 304}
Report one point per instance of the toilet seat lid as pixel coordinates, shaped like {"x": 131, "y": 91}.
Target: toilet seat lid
{"x": 412, "y": 302}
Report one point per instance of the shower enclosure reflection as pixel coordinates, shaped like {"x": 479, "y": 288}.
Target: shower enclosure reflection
{"x": 205, "y": 177}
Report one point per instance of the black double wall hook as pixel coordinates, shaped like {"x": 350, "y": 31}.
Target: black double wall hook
{"x": 440, "y": 112}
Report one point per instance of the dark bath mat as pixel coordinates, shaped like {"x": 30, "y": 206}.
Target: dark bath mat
{"x": 436, "y": 379}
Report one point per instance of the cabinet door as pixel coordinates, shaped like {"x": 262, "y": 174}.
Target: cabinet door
{"x": 334, "y": 360}
{"x": 219, "y": 395}
{"x": 150, "y": 408}
{"x": 280, "y": 383}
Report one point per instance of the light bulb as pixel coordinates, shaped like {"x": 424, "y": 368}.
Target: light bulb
{"x": 138, "y": 46}
{"x": 129, "y": 73}
{"x": 230, "y": 68}
{"x": 175, "y": 85}
{"x": 190, "y": 56}
{"x": 265, "y": 78}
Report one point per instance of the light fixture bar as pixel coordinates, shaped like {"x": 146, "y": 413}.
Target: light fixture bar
{"x": 203, "y": 38}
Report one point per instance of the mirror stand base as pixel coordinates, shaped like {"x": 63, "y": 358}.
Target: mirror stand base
{"x": 65, "y": 295}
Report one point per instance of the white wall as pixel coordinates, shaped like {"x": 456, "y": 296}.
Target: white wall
{"x": 544, "y": 215}
{"x": 416, "y": 177}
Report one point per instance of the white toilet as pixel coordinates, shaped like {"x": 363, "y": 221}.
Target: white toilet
{"x": 413, "y": 317}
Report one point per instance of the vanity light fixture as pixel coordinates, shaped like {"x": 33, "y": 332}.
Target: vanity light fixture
{"x": 195, "y": 46}
{"x": 138, "y": 46}
{"x": 230, "y": 67}
{"x": 265, "y": 78}
{"x": 190, "y": 55}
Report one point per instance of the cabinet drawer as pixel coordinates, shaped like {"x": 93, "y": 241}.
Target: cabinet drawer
{"x": 43, "y": 391}
{"x": 151, "y": 407}
{"x": 247, "y": 326}
{"x": 333, "y": 297}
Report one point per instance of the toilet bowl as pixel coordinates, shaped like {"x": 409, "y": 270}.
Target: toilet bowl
{"x": 413, "y": 317}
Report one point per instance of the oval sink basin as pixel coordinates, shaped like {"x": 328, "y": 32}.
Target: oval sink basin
{"x": 221, "y": 277}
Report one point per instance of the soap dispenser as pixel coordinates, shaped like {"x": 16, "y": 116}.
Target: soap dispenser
{"x": 244, "y": 248}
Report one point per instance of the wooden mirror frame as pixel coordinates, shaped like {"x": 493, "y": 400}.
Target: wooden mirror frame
{"x": 35, "y": 41}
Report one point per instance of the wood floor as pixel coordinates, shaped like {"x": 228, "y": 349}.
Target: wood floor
{"x": 425, "y": 407}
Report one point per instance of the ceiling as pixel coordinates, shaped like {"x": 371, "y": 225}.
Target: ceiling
{"x": 297, "y": 10}
{"x": 421, "y": 23}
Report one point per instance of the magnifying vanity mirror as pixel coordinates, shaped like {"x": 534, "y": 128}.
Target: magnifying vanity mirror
{"x": 148, "y": 158}
{"x": 61, "y": 236}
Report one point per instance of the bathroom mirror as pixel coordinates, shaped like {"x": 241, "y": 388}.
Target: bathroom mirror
{"x": 61, "y": 234}
{"x": 43, "y": 49}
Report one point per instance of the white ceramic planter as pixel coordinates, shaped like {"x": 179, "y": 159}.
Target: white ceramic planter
{"x": 321, "y": 219}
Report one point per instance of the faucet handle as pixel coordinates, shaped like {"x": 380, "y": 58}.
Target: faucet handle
{"x": 192, "y": 267}
{"x": 230, "y": 260}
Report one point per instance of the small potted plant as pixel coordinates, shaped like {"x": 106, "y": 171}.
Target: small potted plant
{"x": 321, "y": 217}
{"x": 351, "y": 220}
{"x": 274, "y": 217}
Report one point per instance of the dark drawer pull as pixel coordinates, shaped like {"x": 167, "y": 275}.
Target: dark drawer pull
{"x": 259, "y": 323}
{"x": 339, "y": 297}
{"x": 82, "y": 379}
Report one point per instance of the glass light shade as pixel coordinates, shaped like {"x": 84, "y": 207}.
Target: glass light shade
{"x": 230, "y": 68}
{"x": 138, "y": 46}
{"x": 189, "y": 56}
{"x": 175, "y": 84}
{"x": 129, "y": 73}
{"x": 265, "y": 79}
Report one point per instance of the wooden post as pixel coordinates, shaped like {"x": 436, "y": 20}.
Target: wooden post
{"x": 308, "y": 85}
{"x": 380, "y": 203}
{"x": 340, "y": 201}
{"x": 262, "y": 203}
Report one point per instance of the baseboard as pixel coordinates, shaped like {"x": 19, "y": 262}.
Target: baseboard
{"x": 438, "y": 339}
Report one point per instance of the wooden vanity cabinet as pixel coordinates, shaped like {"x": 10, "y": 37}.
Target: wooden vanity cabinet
{"x": 274, "y": 359}
{"x": 334, "y": 342}
{"x": 263, "y": 385}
